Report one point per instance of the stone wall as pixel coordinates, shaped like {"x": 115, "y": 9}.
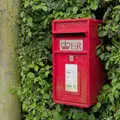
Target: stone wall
{"x": 9, "y": 103}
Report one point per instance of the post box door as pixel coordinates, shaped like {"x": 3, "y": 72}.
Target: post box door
{"x": 71, "y": 75}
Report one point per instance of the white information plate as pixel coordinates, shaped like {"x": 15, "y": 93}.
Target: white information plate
{"x": 71, "y": 77}
{"x": 71, "y": 45}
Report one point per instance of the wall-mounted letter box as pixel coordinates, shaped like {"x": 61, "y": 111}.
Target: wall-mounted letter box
{"x": 78, "y": 74}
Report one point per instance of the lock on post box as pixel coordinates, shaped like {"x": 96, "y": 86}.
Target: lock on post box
{"x": 78, "y": 74}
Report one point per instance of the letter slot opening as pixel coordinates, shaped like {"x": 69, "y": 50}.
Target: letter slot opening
{"x": 81, "y": 34}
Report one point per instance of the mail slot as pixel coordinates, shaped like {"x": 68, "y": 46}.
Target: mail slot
{"x": 77, "y": 73}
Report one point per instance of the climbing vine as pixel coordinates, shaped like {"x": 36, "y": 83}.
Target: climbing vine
{"x": 34, "y": 58}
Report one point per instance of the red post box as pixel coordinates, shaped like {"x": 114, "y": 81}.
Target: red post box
{"x": 78, "y": 74}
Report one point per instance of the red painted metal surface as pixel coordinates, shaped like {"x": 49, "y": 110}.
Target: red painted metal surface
{"x": 78, "y": 74}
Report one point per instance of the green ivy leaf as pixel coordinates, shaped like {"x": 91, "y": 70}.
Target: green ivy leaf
{"x": 40, "y": 7}
{"x": 75, "y": 9}
{"x": 30, "y": 21}
{"x": 26, "y": 3}
{"x": 57, "y": 116}
{"x": 93, "y": 4}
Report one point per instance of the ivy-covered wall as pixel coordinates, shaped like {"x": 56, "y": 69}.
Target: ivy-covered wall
{"x": 34, "y": 58}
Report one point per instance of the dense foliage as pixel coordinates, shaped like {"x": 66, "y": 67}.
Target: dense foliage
{"x": 34, "y": 58}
